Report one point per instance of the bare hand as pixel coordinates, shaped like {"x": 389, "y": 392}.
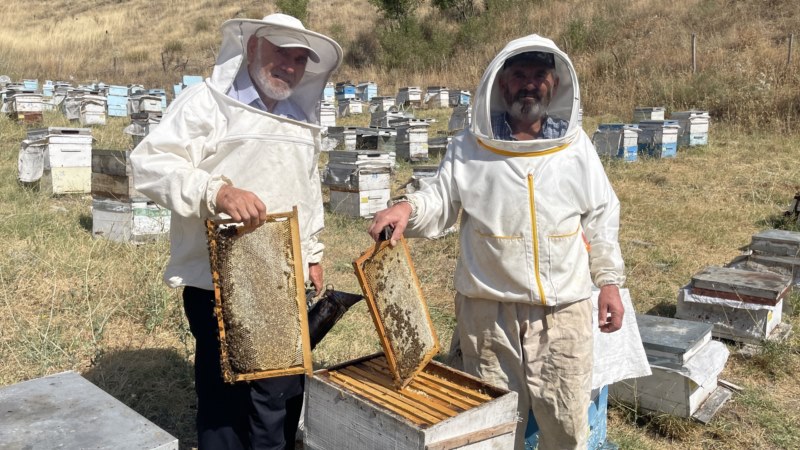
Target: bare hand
{"x": 315, "y": 276}
{"x": 243, "y": 206}
{"x": 610, "y": 308}
{"x": 396, "y": 216}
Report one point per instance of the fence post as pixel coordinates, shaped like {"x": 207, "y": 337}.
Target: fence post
{"x": 694, "y": 52}
{"x": 789, "y": 55}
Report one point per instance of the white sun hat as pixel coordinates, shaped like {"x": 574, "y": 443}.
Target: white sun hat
{"x": 283, "y": 30}
{"x": 325, "y": 55}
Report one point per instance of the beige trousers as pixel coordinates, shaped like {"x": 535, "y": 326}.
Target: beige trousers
{"x": 544, "y": 354}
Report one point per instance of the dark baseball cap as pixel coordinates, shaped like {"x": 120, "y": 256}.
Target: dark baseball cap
{"x": 536, "y": 58}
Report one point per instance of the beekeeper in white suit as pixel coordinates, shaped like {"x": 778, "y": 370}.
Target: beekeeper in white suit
{"x": 539, "y": 225}
{"x": 244, "y": 142}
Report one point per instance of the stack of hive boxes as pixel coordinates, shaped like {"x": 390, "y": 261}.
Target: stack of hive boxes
{"x": 359, "y": 181}
{"x": 24, "y": 105}
{"x": 742, "y": 305}
{"x": 685, "y": 365}
{"x": 409, "y": 96}
{"x": 59, "y": 158}
{"x": 117, "y": 101}
{"x": 412, "y": 139}
{"x": 93, "y": 109}
{"x": 119, "y": 211}
{"x": 437, "y": 97}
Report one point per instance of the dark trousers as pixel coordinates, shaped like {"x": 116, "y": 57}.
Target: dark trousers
{"x": 259, "y": 414}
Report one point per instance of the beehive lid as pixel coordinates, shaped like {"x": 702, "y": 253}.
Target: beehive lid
{"x": 762, "y": 288}
{"x": 260, "y": 299}
{"x": 777, "y": 242}
{"x": 674, "y": 340}
{"x": 398, "y": 309}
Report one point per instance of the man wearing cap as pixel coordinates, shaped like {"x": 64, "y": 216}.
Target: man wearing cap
{"x": 538, "y": 226}
{"x": 243, "y": 143}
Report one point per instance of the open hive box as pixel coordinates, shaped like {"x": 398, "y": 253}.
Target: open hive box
{"x": 260, "y": 299}
{"x": 402, "y": 399}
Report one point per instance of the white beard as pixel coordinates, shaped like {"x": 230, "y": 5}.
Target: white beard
{"x": 272, "y": 87}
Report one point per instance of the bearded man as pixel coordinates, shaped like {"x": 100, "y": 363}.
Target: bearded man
{"x": 539, "y": 225}
{"x": 243, "y": 142}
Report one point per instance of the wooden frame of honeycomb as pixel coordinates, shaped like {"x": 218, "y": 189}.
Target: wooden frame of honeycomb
{"x": 258, "y": 340}
{"x": 398, "y": 308}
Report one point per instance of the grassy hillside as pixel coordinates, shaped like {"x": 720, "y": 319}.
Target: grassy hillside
{"x": 628, "y": 52}
{"x": 71, "y": 302}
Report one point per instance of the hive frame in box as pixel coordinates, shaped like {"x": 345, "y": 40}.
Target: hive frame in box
{"x": 306, "y": 366}
{"x": 394, "y": 358}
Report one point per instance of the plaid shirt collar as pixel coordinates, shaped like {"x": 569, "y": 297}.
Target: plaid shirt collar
{"x": 551, "y": 128}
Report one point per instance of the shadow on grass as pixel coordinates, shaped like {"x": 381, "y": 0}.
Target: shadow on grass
{"x": 156, "y": 383}
{"x": 663, "y": 309}
{"x": 85, "y": 221}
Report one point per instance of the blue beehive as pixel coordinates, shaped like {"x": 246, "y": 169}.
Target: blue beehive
{"x": 30, "y": 85}
{"x": 366, "y": 90}
{"x": 598, "y": 418}
{"x": 459, "y": 97}
{"x": 345, "y": 91}
{"x": 120, "y": 91}
{"x": 48, "y": 88}
{"x": 177, "y": 88}
{"x": 117, "y": 101}
{"x": 191, "y": 80}
{"x": 329, "y": 94}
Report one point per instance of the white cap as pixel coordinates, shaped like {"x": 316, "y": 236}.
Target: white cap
{"x": 284, "y": 38}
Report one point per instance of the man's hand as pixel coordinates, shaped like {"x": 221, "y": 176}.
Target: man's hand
{"x": 243, "y": 206}
{"x": 315, "y": 276}
{"x": 611, "y": 310}
{"x": 396, "y": 216}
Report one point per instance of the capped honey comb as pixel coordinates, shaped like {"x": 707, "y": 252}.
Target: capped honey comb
{"x": 260, "y": 298}
{"x": 398, "y": 308}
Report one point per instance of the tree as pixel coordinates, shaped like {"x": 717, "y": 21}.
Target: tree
{"x": 396, "y": 9}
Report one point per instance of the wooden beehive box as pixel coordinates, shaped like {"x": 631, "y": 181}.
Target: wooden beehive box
{"x": 402, "y": 399}
{"x": 356, "y": 406}
{"x": 776, "y": 242}
{"x": 763, "y": 288}
{"x": 126, "y": 221}
{"x": 112, "y": 176}
{"x": 788, "y": 266}
{"x": 672, "y": 340}
{"x": 685, "y": 365}
{"x": 748, "y": 323}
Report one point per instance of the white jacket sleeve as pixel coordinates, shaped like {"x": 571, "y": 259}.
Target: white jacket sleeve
{"x": 436, "y": 204}
{"x": 601, "y": 225}
{"x": 167, "y": 163}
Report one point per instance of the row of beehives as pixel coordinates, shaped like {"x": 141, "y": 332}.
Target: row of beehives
{"x": 87, "y": 103}
{"x": 742, "y": 301}
{"x": 433, "y": 97}
{"x": 61, "y": 161}
{"x": 650, "y": 135}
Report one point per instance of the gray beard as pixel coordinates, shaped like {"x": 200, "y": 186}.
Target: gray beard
{"x": 527, "y": 112}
